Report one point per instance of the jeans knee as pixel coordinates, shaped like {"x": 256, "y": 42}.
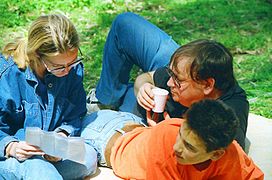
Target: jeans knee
{"x": 125, "y": 17}
{"x": 37, "y": 168}
{"x": 126, "y": 20}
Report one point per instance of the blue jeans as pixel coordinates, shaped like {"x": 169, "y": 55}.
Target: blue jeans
{"x": 38, "y": 168}
{"x": 132, "y": 40}
{"x": 100, "y": 126}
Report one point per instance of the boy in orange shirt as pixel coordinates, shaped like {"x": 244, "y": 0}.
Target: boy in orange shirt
{"x": 201, "y": 146}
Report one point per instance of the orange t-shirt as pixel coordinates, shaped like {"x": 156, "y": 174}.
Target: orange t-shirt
{"x": 147, "y": 153}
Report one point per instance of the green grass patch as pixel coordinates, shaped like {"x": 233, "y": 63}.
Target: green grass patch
{"x": 244, "y": 26}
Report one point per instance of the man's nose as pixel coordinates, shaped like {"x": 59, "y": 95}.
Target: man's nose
{"x": 170, "y": 82}
{"x": 178, "y": 147}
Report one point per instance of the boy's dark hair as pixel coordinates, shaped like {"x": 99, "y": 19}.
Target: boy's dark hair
{"x": 214, "y": 122}
{"x": 209, "y": 59}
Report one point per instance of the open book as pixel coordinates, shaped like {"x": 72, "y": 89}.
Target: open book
{"x": 72, "y": 148}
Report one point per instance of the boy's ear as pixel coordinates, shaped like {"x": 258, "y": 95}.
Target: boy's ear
{"x": 209, "y": 86}
{"x": 217, "y": 154}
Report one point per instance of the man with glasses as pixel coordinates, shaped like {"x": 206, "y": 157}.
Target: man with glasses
{"x": 198, "y": 70}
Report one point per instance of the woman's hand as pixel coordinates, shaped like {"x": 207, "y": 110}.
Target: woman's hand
{"x": 22, "y": 150}
{"x": 145, "y": 96}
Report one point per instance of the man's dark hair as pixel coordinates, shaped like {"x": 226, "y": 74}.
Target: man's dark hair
{"x": 214, "y": 122}
{"x": 209, "y": 59}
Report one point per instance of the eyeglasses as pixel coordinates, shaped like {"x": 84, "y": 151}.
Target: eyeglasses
{"x": 177, "y": 82}
{"x": 63, "y": 67}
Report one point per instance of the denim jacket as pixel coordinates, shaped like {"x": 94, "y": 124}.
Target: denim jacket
{"x": 21, "y": 106}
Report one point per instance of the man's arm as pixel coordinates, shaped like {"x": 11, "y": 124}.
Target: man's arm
{"x": 142, "y": 79}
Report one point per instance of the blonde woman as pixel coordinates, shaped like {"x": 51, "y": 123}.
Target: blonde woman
{"x": 41, "y": 86}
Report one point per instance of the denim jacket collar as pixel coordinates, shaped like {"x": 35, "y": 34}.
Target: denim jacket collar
{"x": 30, "y": 76}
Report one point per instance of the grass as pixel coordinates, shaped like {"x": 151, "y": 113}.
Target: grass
{"x": 244, "y": 26}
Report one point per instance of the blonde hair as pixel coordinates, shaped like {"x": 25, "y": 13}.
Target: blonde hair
{"x": 49, "y": 35}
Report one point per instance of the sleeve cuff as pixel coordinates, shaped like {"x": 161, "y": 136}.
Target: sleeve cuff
{"x": 4, "y": 142}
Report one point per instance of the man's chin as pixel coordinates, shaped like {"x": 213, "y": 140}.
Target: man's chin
{"x": 183, "y": 162}
{"x": 180, "y": 160}
{"x": 175, "y": 97}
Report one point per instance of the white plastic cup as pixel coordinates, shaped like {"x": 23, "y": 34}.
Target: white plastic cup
{"x": 160, "y": 97}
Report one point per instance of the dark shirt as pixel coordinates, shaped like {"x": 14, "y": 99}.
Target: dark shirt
{"x": 235, "y": 97}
